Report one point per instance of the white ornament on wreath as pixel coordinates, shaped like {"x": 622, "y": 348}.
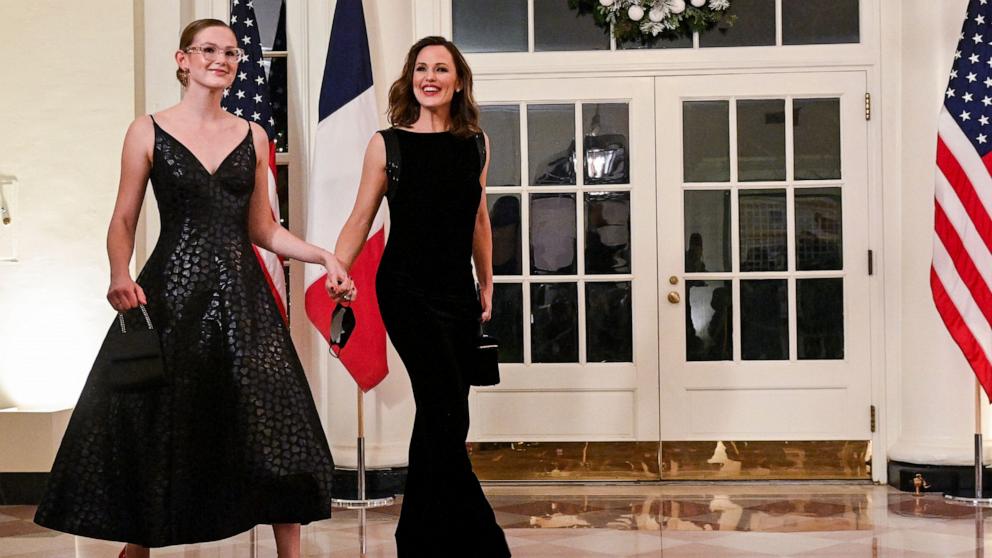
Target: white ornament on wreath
{"x": 627, "y": 21}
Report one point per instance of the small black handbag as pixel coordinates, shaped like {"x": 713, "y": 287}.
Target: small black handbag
{"x": 486, "y": 372}
{"x": 131, "y": 360}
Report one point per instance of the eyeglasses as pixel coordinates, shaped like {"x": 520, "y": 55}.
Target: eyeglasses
{"x": 211, "y": 52}
{"x": 342, "y": 324}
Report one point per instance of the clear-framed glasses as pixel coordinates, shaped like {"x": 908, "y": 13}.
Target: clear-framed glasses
{"x": 211, "y": 52}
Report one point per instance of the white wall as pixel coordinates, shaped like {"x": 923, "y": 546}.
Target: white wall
{"x": 67, "y": 97}
{"x": 930, "y": 383}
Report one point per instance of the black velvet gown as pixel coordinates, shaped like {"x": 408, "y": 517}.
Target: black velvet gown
{"x": 427, "y": 299}
{"x": 235, "y": 439}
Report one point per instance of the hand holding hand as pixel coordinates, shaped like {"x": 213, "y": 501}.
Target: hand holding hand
{"x": 339, "y": 285}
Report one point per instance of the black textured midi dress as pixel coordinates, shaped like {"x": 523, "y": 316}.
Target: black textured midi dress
{"x": 234, "y": 440}
{"x": 428, "y": 303}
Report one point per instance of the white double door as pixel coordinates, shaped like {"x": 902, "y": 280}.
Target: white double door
{"x": 686, "y": 258}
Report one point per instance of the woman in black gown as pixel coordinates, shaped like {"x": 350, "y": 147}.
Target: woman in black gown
{"x": 439, "y": 223}
{"x": 234, "y": 440}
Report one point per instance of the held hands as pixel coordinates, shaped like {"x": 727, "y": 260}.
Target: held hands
{"x": 124, "y": 294}
{"x": 486, "y": 299}
{"x": 339, "y": 285}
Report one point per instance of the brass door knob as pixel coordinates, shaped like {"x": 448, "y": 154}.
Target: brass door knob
{"x": 674, "y": 297}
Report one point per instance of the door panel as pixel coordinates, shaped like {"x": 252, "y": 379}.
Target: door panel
{"x": 762, "y": 224}
{"x": 572, "y": 203}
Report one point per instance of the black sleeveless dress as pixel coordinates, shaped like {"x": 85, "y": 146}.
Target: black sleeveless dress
{"x": 235, "y": 439}
{"x": 427, "y": 300}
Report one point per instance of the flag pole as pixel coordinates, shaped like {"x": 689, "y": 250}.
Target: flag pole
{"x": 361, "y": 502}
{"x": 977, "y": 500}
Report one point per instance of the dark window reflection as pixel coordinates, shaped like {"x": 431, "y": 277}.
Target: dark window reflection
{"x": 507, "y": 321}
{"x": 709, "y": 320}
{"x": 819, "y": 229}
{"x": 755, "y": 26}
{"x": 552, "y": 234}
{"x": 278, "y": 79}
{"x": 816, "y": 138}
{"x": 763, "y": 230}
{"x": 558, "y": 27}
{"x": 502, "y": 125}
{"x": 282, "y": 191}
{"x": 608, "y": 232}
{"x": 554, "y": 322}
{"x": 605, "y": 129}
{"x": 820, "y": 318}
{"x": 487, "y": 26}
{"x": 551, "y": 144}
{"x": 761, "y": 140}
{"x": 608, "y": 322}
{"x": 707, "y": 230}
{"x": 806, "y": 22}
{"x": 706, "y": 141}
{"x": 765, "y": 320}
{"x": 504, "y": 216}
{"x": 270, "y": 19}
{"x": 659, "y": 43}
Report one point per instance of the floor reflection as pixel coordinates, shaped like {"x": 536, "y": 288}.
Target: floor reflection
{"x": 636, "y": 521}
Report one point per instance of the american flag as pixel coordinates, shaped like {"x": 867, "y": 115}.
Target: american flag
{"x": 248, "y": 97}
{"x": 961, "y": 274}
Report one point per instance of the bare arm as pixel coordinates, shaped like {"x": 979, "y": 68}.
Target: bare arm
{"x": 136, "y": 165}
{"x": 266, "y": 232}
{"x": 371, "y": 189}
{"x": 482, "y": 246}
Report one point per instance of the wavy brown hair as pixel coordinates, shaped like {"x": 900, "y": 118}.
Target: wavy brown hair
{"x": 404, "y": 108}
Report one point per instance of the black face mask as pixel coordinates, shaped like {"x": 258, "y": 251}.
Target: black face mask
{"x": 342, "y": 324}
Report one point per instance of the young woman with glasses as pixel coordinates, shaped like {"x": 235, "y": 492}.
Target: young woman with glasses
{"x": 233, "y": 439}
{"x": 426, "y": 291}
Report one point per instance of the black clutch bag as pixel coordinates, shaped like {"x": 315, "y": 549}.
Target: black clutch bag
{"x": 131, "y": 359}
{"x": 486, "y": 371}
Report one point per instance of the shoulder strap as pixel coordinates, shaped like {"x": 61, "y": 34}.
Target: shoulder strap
{"x": 480, "y": 143}
{"x": 393, "y": 160}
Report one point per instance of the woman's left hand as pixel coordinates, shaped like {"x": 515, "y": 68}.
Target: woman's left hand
{"x": 486, "y": 299}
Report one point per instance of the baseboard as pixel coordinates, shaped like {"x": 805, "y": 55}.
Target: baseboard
{"x": 379, "y": 483}
{"x": 956, "y": 480}
{"x": 22, "y": 489}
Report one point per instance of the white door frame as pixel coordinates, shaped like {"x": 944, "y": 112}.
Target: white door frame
{"x": 766, "y": 379}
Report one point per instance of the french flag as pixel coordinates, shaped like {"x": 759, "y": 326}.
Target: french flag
{"x": 348, "y": 119}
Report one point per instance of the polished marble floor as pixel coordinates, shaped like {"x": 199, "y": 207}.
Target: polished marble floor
{"x": 642, "y": 521}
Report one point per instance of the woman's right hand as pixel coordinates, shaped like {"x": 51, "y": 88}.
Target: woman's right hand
{"x": 124, "y": 294}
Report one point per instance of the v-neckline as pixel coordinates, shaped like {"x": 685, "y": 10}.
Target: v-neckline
{"x": 196, "y": 158}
